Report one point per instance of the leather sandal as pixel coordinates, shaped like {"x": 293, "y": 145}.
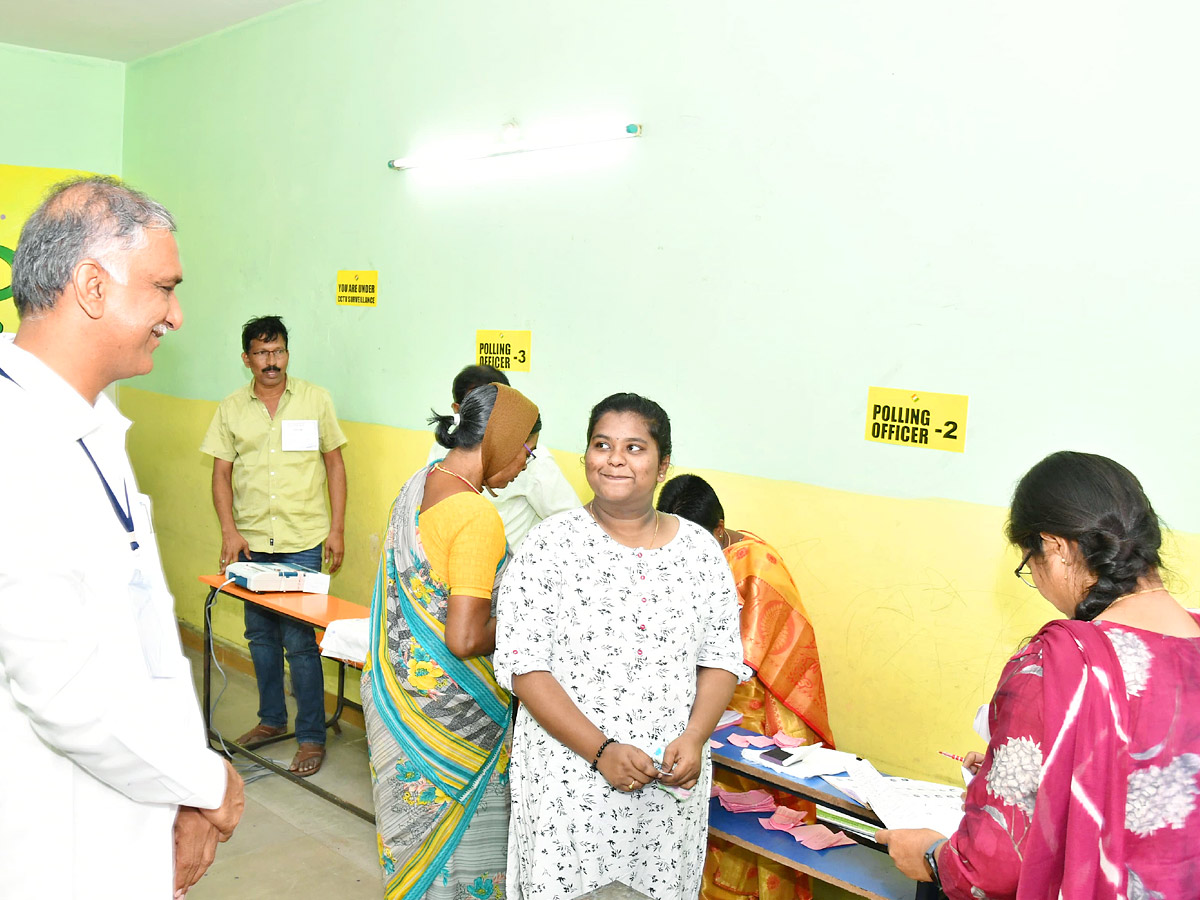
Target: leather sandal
{"x": 308, "y": 759}
{"x": 260, "y": 734}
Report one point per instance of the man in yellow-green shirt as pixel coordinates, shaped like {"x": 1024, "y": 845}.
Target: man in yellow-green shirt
{"x": 276, "y": 444}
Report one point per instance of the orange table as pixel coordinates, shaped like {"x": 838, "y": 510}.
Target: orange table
{"x": 313, "y": 609}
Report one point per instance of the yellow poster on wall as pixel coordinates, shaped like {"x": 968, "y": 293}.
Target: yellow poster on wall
{"x": 503, "y": 349}
{"x": 917, "y": 419}
{"x": 357, "y": 287}
{"x": 21, "y": 190}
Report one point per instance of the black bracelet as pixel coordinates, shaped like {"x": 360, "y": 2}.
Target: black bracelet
{"x": 596, "y": 761}
{"x": 931, "y": 860}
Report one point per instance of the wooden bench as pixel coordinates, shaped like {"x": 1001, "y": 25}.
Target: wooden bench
{"x": 311, "y": 609}
{"x": 864, "y": 869}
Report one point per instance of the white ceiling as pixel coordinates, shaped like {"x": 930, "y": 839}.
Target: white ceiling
{"x": 120, "y": 29}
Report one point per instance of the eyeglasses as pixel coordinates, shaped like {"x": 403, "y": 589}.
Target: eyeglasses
{"x": 1024, "y": 572}
{"x": 531, "y": 454}
{"x": 264, "y": 355}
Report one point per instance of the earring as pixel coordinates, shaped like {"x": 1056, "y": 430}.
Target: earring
{"x": 1063, "y": 560}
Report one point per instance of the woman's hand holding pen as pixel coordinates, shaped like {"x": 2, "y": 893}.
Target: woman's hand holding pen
{"x": 972, "y": 762}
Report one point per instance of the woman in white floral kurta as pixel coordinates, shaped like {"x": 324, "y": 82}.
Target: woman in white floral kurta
{"x": 618, "y": 629}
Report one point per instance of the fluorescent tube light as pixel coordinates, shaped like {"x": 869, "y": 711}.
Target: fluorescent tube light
{"x": 513, "y": 147}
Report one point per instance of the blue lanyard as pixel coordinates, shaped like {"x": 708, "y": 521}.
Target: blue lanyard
{"x": 124, "y": 513}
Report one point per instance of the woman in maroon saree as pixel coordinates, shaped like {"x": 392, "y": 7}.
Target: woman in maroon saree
{"x": 1089, "y": 785}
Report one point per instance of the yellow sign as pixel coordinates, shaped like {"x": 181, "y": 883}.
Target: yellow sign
{"x": 357, "y": 288}
{"x": 503, "y": 349}
{"x": 917, "y": 419}
{"x": 21, "y": 190}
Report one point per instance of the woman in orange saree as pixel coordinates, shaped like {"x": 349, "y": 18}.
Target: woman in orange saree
{"x": 786, "y": 693}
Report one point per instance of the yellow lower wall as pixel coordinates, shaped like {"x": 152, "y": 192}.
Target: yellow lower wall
{"x": 914, "y": 601}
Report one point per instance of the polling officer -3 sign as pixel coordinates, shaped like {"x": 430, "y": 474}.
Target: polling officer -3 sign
{"x": 917, "y": 419}
{"x": 507, "y": 350}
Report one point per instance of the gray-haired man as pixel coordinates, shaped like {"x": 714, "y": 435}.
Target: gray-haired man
{"x": 108, "y": 788}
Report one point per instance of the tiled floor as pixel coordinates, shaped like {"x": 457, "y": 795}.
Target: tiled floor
{"x": 290, "y": 843}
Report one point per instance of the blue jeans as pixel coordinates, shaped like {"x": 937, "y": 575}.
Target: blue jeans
{"x": 270, "y": 634}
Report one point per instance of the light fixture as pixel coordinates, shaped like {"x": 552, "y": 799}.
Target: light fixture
{"x": 511, "y": 142}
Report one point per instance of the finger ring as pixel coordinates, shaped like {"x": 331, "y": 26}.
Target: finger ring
{"x": 632, "y": 785}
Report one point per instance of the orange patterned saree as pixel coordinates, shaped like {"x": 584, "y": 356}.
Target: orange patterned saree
{"x": 786, "y": 695}
{"x": 780, "y": 645}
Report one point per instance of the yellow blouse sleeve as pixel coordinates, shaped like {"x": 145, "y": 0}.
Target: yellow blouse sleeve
{"x": 464, "y": 540}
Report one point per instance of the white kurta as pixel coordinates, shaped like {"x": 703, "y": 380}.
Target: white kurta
{"x": 540, "y": 491}
{"x": 101, "y": 729}
{"x": 623, "y": 631}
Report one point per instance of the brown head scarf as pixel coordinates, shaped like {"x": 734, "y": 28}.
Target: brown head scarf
{"x": 508, "y": 427}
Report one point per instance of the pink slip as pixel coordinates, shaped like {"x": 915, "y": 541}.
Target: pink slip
{"x": 786, "y": 740}
{"x": 787, "y": 818}
{"x": 751, "y": 740}
{"x": 814, "y": 837}
{"x": 818, "y": 837}
{"x": 746, "y": 801}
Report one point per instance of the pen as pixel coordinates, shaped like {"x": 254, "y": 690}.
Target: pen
{"x": 952, "y": 756}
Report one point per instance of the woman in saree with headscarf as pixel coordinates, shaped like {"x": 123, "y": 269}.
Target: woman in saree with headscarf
{"x": 437, "y": 722}
{"x": 786, "y": 693}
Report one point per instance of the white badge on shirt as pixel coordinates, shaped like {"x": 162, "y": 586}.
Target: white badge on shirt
{"x": 301, "y": 434}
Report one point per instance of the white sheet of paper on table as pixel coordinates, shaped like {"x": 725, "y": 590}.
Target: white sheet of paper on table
{"x": 845, "y": 784}
{"x": 822, "y": 761}
{"x": 347, "y": 639}
{"x": 904, "y": 803}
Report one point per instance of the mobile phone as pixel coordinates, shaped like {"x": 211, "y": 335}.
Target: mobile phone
{"x": 783, "y": 756}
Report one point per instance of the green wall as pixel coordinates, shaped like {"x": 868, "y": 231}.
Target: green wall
{"x": 993, "y": 201}
{"x": 61, "y": 111}
{"x": 996, "y": 202}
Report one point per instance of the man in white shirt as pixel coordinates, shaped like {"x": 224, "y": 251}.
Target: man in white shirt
{"x": 540, "y": 491}
{"x": 107, "y": 787}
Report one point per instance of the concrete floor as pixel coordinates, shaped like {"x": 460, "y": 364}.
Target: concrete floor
{"x": 290, "y": 843}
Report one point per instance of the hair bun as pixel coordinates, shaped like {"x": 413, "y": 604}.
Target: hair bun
{"x": 1098, "y": 504}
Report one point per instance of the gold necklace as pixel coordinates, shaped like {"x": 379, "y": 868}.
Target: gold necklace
{"x": 438, "y": 466}
{"x": 1135, "y": 593}
{"x": 653, "y": 537}
{"x": 728, "y": 541}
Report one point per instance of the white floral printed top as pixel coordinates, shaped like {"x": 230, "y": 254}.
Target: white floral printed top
{"x": 623, "y": 631}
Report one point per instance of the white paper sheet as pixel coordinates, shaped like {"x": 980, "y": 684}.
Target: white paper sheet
{"x": 347, "y": 639}
{"x": 904, "y": 803}
{"x": 822, "y": 761}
